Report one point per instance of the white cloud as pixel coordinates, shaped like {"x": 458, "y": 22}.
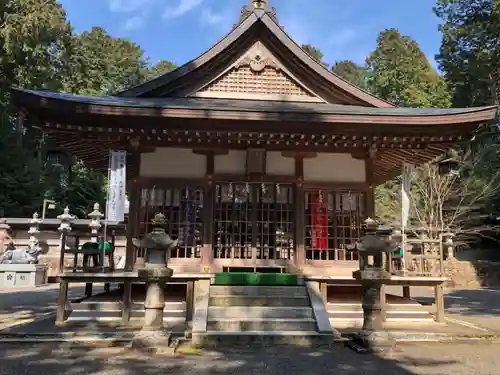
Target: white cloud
{"x": 135, "y": 22}
{"x": 127, "y": 5}
{"x": 211, "y": 18}
{"x": 182, "y": 8}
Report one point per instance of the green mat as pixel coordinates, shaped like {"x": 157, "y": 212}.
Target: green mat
{"x": 251, "y": 278}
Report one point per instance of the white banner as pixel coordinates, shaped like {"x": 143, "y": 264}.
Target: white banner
{"x": 115, "y": 210}
{"x": 405, "y": 194}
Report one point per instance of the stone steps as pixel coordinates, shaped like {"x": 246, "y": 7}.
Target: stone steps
{"x": 260, "y": 315}
{"x": 215, "y": 339}
{"x": 259, "y": 312}
{"x": 258, "y": 291}
{"x": 252, "y": 324}
{"x": 112, "y": 311}
{"x": 270, "y": 301}
{"x": 342, "y": 314}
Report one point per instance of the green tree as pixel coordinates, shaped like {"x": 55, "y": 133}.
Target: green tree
{"x": 102, "y": 65}
{"x": 351, "y": 72}
{"x": 470, "y": 52}
{"x": 34, "y": 39}
{"x": 164, "y": 66}
{"x": 315, "y": 53}
{"x": 22, "y": 189}
{"x": 401, "y": 74}
{"x": 79, "y": 189}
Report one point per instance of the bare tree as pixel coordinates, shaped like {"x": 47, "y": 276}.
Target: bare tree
{"x": 460, "y": 199}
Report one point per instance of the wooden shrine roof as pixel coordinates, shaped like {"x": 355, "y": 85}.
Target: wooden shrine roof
{"x": 88, "y": 127}
{"x": 51, "y": 104}
{"x": 260, "y": 25}
{"x": 255, "y": 88}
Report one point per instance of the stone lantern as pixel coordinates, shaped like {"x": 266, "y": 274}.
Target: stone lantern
{"x": 158, "y": 245}
{"x": 4, "y": 234}
{"x": 448, "y": 245}
{"x": 34, "y": 231}
{"x": 95, "y": 222}
{"x": 376, "y": 243}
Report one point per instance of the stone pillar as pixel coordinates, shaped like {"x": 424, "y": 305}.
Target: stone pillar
{"x": 5, "y": 238}
{"x": 34, "y": 231}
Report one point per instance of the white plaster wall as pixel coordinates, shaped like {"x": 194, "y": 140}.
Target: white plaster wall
{"x": 276, "y": 164}
{"x": 173, "y": 162}
{"x": 335, "y": 168}
{"x": 233, "y": 162}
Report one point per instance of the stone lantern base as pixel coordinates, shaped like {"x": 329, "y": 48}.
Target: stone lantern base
{"x": 372, "y": 342}
{"x": 153, "y": 336}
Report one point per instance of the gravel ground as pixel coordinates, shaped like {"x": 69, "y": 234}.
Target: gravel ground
{"x": 54, "y": 359}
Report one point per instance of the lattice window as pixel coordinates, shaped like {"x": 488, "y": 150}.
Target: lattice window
{"x": 275, "y": 227}
{"x": 270, "y": 81}
{"x": 333, "y": 220}
{"x": 253, "y": 215}
{"x": 183, "y": 209}
{"x": 233, "y": 221}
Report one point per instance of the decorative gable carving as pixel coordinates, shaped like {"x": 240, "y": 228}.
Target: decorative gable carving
{"x": 257, "y": 75}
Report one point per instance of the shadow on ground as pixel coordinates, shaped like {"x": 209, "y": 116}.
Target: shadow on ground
{"x": 470, "y": 302}
{"x": 62, "y": 359}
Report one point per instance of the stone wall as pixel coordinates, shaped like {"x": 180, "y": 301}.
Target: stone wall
{"x": 472, "y": 274}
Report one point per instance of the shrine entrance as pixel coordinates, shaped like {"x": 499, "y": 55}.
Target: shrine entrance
{"x": 253, "y": 224}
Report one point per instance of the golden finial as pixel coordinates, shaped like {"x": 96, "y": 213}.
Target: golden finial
{"x": 259, "y": 4}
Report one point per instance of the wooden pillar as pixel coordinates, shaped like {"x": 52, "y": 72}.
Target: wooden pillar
{"x": 208, "y": 216}
{"x": 406, "y": 291}
{"x": 61, "y": 302}
{"x": 189, "y": 300}
{"x": 323, "y": 291}
{"x": 88, "y": 290}
{"x": 439, "y": 298}
{"x": 134, "y": 206}
{"x": 300, "y": 251}
{"x": 126, "y": 302}
{"x": 370, "y": 192}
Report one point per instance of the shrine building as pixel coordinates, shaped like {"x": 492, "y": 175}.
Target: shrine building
{"x": 260, "y": 158}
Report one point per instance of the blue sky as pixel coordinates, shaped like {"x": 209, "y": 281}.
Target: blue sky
{"x": 179, "y": 30}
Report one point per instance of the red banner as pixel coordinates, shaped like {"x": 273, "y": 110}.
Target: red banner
{"x": 319, "y": 208}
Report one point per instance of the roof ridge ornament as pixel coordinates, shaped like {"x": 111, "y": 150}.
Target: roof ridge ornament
{"x": 257, "y": 5}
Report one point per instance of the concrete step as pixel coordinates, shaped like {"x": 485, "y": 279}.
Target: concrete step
{"x": 232, "y": 325}
{"x": 394, "y": 316}
{"x": 258, "y": 291}
{"x": 217, "y": 339}
{"x": 356, "y": 307}
{"x": 237, "y": 300}
{"x": 175, "y": 316}
{"x": 117, "y": 306}
{"x": 259, "y": 312}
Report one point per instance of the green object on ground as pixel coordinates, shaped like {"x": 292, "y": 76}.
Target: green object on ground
{"x": 398, "y": 252}
{"x": 254, "y": 278}
{"x": 96, "y": 246}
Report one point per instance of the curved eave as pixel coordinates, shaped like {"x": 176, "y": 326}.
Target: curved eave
{"x": 330, "y": 78}
{"x": 70, "y": 106}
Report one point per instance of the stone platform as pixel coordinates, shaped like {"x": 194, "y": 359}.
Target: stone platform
{"x": 22, "y": 275}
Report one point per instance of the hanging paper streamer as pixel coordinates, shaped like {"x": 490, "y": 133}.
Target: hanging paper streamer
{"x": 319, "y": 221}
